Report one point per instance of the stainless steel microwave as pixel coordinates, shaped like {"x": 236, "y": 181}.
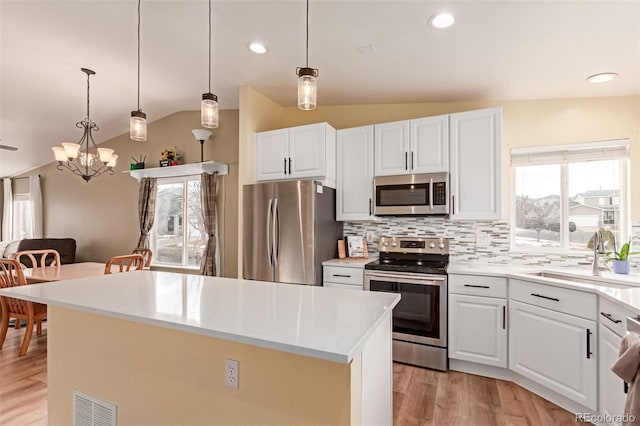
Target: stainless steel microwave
{"x": 418, "y": 195}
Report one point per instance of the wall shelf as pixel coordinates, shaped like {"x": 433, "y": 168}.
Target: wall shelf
{"x": 193, "y": 169}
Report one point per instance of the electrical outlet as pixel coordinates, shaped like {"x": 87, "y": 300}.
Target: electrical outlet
{"x": 231, "y": 373}
{"x": 371, "y": 235}
{"x": 482, "y": 239}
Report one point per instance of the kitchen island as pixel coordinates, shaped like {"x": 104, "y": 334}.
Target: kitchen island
{"x": 154, "y": 344}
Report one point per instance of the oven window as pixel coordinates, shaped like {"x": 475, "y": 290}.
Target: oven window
{"x": 418, "y": 311}
{"x": 402, "y": 195}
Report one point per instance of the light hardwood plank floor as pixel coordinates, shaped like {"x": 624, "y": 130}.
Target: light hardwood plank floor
{"x": 420, "y": 397}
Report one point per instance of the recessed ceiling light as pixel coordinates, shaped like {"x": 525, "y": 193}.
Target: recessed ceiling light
{"x": 602, "y": 77}
{"x": 442, "y": 20}
{"x": 258, "y": 48}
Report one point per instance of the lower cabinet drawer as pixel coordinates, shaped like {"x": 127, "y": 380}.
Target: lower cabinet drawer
{"x": 558, "y": 299}
{"x": 478, "y": 285}
{"x": 614, "y": 317}
{"x": 342, "y": 275}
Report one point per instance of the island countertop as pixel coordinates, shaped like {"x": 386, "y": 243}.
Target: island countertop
{"x": 325, "y": 323}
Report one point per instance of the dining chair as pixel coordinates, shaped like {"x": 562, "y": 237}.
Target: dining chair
{"x": 125, "y": 263}
{"x": 146, "y": 253}
{"x": 11, "y": 275}
{"x": 38, "y": 258}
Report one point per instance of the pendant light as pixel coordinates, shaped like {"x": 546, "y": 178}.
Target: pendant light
{"x": 138, "y": 120}
{"x": 307, "y": 88}
{"x": 209, "y": 105}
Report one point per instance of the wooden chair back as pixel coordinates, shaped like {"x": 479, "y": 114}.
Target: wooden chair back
{"x": 11, "y": 275}
{"x": 146, "y": 253}
{"x": 42, "y": 255}
{"x": 125, "y": 263}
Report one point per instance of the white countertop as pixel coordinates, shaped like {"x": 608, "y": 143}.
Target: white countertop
{"x": 623, "y": 289}
{"x": 326, "y": 323}
{"x": 349, "y": 262}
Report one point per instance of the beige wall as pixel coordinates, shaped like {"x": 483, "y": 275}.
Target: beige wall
{"x": 526, "y": 123}
{"x": 157, "y": 376}
{"x": 102, "y": 215}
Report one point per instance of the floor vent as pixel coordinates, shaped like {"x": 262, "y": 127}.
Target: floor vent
{"x": 90, "y": 411}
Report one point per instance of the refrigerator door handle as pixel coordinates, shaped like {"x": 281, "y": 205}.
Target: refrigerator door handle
{"x": 269, "y": 247}
{"x": 276, "y": 233}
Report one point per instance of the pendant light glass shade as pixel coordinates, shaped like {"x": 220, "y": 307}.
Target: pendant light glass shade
{"x": 307, "y": 89}
{"x": 138, "y": 126}
{"x": 209, "y": 111}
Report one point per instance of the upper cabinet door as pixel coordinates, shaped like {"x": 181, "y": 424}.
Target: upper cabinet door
{"x": 271, "y": 154}
{"x": 429, "y": 145}
{"x": 392, "y": 148}
{"x": 354, "y": 188}
{"x": 307, "y": 154}
{"x": 475, "y": 164}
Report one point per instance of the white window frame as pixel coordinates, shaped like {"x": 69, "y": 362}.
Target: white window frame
{"x": 565, "y": 155}
{"x": 153, "y": 234}
{"x": 22, "y": 196}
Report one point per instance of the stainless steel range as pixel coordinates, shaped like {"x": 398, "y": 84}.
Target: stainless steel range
{"x": 416, "y": 268}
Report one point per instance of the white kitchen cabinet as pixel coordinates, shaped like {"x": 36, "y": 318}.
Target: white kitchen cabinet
{"x": 354, "y": 186}
{"x": 612, "y": 396}
{"x": 297, "y": 153}
{"x": 556, "y": 350}
{"x": 412, "y": 146}
{"x": 475, "y": 164}
{"x": 478, "y": 329}
{"x": 345, "y": 277}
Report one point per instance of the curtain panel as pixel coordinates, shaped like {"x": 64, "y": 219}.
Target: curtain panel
{"x": 208, "y": 186}
{"x": 35, "y": 195}
{"x": 7, "y": 215}
{"x": 146, "y": 209}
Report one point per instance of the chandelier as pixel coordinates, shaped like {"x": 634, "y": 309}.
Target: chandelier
{"x": 81, "y": 158}
{"x": 307, "y": 88}
{"x": 209, "y": 104}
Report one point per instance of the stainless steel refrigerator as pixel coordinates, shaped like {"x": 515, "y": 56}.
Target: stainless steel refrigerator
{"x": 289, "y": 230}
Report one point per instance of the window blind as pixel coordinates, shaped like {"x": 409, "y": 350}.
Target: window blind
{"x": 593, "y": 151}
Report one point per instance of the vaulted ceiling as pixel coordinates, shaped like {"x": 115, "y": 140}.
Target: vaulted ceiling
{"x": 496, "y": 50}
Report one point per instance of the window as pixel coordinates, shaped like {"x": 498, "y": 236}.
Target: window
{"x": 562, "y": 195}
{"x": 178, "y": 237}
{"x": 22, "y": 217}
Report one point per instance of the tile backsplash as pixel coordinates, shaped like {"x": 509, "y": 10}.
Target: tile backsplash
{"x": 462, "y": 244}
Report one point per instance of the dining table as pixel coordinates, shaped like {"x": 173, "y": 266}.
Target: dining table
{"x": 63, "y": 272}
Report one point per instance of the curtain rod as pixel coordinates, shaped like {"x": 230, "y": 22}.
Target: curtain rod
{"x": 24, "y": 177}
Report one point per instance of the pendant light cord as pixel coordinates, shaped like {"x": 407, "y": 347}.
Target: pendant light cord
{"x": 209, "y": 46}
{"x": 307, "y": 33}
{"x": 139, "y": 2}
{"x": 88, "y": 116}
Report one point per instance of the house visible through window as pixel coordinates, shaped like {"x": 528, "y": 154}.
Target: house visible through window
{"x": 178, "y": 237}
{"x": 22, "y": 217}
{"x": 563, "y": 195}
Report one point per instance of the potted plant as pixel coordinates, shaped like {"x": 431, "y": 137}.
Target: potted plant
{"x": 621, "y": 258}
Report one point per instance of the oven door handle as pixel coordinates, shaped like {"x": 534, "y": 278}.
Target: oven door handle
{"x": 406, "y": 279}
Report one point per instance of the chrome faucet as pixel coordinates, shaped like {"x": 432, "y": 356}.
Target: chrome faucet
{"x": 598, "y": 248}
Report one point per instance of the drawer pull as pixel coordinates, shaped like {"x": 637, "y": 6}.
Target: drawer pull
{"x": 342, "y": 275}
{"x": 504, "y": 317}
{"x": 588, "y": 343}
{"x": 610, "y": 317}
{"x": 477, "y": 286}
{"x": 545, "y": 297}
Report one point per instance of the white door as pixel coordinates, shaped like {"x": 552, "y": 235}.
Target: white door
{"x": 555, "y": 350}
{"x": 429, "y": 147}
{"x": 354, "y": 190}
{"x": 612, "y": 396}
{"x": 271, "y": 153}
{"x": 392, "y": 148}
{"x": 475, "y": 164}
{"x": 307, "y": 151}
{"x": 478, "y": 329}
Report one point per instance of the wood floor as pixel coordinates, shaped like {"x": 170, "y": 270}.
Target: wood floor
{"x": 420, "y": 397}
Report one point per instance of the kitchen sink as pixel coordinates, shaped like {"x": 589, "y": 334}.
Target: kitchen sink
{"x": 578, "y": 279}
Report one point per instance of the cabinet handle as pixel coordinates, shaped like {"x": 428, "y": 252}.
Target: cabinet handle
{"x": 545, "y": 297}
{"x": 504, "y": 317}
{"x": 453, "y": 204}
{"x": 588, "y": 343}
{"x": 610, "y": 318}
{"x": 285, "y": 165}
{"x": 342, "y": 275}
{"x": 406, "y": 161}
{"x": 289, "y": 165}
{"x": 625, "y": 387}
{"x": 412, "y": 160}
{"x": 370, "y": 206}
{"x": 477, "y": 286}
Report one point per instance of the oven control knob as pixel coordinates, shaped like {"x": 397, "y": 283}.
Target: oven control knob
{"x": 441, "y": 245}
{"x": 385, "y": 244}
{"x": 394, "y": 244}
{"x": 432, "y": 245}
